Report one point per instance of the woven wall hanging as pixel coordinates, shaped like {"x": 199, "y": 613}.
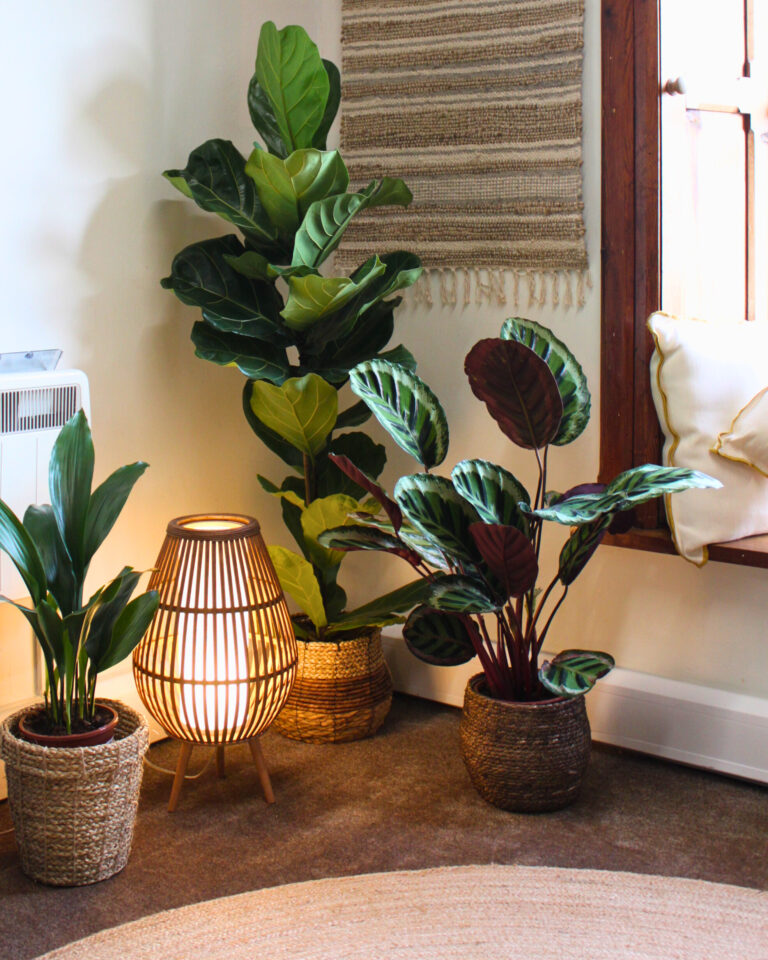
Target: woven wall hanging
{"x": 476, "y": 104}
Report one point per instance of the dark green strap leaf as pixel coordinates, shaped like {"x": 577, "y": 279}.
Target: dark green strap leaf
{"x": 17, "y": 542}
{"x": 405, "y": 406}
{"x": 438, "y": 638}
{"x": 106, "y": 503}
{"x": 41, "y": 524}
{"x": 565, "y": 368}
{"x": 573, "y": 673}
{"x": 398, "y": 601}
{"x": 254, "y": 358}
{"x": 70, "y": 474}
{"x": 130, "y": 627}
{"x": 434, "y": 507}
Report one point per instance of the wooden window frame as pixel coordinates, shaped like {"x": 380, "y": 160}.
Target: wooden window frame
{"x": 631, "y": 264}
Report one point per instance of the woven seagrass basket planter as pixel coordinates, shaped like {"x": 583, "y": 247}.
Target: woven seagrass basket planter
{"x": 74, "y": 808}
{"x": 342, "y": 691}
{"x": 527, "y": 757}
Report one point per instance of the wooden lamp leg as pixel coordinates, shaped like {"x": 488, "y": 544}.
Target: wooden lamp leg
{"x": 220, "y": 772}
{"x": 261, "y": 767}
{"x": 181, "y": 769}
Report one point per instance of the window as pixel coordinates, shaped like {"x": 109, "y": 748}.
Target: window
{"x": 640, "y": 273}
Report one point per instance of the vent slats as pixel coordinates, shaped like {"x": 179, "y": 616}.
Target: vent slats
{"x": 38, "y": 408}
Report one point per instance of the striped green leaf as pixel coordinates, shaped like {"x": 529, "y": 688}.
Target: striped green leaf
{"x": 565, "y": 368}
{"x": 438, "y": 638}
{"x": 405, "y": 406}
{"x": 630, "y": 488}
{"x": 493, "y": 491}
{"x": 359, "y": 537}
{"x": 288, "y": 187}
{"x": 302, "y": 410}
{"x": 573, "y": 673}
{"x": 455, "y": 593}
{"x": 434, "y": 507}
{"x": 299, "y": 581}
{"x": 579, "y": 548}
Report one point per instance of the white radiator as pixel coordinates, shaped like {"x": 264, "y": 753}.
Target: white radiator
{"x": 33, "y": 409}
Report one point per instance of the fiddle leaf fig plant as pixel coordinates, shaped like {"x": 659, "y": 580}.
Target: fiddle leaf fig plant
{"x": 475, "y": 537}
{"x": 293, "y": 331}
{"x": 52, "y": 548}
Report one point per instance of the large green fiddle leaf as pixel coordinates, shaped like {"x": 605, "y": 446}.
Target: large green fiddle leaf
{"x": 331, "y": 106}
{"x": 298, "y": 580}
{"x": 518, "y": 388}
{"x": 634, "y": 486}
{"x": 294, "y": 79}
{"x": 326, "y": 220}
{"x": 302, "y": 410}
{"x": 323, "y": 514}
{"x": 405, "y": 406}
{"x": 384, "y": 609}
{"x": 216, "y": 179}
{"x": 202, "y": 276}
{"x": 18, "y": 543}
{"x": 437, "y": 637}
{"x": 273, "y": 441}
{"x": 565, "y": 368}
{"x": 287, "y": 187}
{"x": 493, "y": 491}
{"x": 573, "y": 673}
{"x": 70, "y": 475}
{"x": 434, "y": 507}
{"x": 313, "y": 297}
{"x": 40, "y": 523}
{"x": 254, "y": 358}
{"x": 371, "y": 333}
{"x": 456, "y": 593}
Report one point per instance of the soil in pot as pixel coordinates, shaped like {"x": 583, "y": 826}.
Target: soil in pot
{"x": 36, "y": 727}
{"x": 526, "y": 757}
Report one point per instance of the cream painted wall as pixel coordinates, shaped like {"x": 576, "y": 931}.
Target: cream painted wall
{"x": 101, "y": 97}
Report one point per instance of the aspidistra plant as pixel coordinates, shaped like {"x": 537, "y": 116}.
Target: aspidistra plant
{"x": 294, "y": 332}
{"x": 476, "y": 536}
{"x": 52, "y": 549}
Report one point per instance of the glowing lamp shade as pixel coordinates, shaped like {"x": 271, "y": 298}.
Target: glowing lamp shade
{"x": 219, "y": 658}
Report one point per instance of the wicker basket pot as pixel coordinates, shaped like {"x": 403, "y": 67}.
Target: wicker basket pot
{"x": 74, "y": 808}
{"x": 342, "y": 691}
{"x": 527, "y": 757}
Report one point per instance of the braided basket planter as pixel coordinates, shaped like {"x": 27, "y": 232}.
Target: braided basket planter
{"x": 74, "y": 808}
{"x": 527, "y": 757}
{"x": 342, "y": 691}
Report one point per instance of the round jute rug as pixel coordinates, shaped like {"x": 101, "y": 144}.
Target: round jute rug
{"x": 466, "y": 913}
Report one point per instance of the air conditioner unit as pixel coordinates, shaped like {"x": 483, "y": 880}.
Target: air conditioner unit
{"x": 33, "y": 409}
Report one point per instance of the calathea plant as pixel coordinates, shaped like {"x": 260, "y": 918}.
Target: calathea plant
{"x": 476, "y": 536}
{"x": 293, "y": 332}
{"x": 52, "y": 549}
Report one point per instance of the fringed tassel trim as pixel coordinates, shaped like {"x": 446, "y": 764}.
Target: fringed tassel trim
{"x": 524, "y": 288}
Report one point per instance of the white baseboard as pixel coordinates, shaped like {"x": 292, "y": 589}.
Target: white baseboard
{"x": 700, "y": 726}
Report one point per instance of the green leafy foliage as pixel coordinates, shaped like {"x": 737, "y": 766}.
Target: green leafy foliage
{"x": 434, "y": 507}
{"x": 454, "y": 593}
{"x": 313, "y": 297}
{"x": 566, "y": 370}
{"x": 493, "y": 491}
{"x": 438, "y": 638}
{"x": 573, "y": 673}
{"x": 405, "y": 406}
{"x": 298, "y": 580}
{"x": 301, "y": 411}
{"x": 255, "y": 358}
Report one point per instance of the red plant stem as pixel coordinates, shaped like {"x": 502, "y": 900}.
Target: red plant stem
{"x": 549, "y": 620}
{"x": 540, "y": 606}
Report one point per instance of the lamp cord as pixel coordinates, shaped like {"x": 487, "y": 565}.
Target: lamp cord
{"x": 172, "y": 773}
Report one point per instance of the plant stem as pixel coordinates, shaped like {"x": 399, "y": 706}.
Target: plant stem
{"x": 308, "y": 480}
{"x": 549, "y": 620}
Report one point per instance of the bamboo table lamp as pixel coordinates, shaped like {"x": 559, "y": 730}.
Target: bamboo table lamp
{"x": 219, "y": 658}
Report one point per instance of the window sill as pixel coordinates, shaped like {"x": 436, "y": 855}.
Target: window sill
{"x": 749, "y": 552}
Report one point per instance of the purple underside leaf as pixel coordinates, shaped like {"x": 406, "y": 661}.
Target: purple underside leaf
{"x": 509, "y": 555}
{"x": 391, "y": 509}
{"x": 518, "y": 389}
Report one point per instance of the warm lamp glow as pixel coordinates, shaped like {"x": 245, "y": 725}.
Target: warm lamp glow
{"x": 218, "y": 660}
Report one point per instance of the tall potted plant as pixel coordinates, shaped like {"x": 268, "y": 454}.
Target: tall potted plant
{"x": 476, "y": 539}
{"x": 295, "y": 334}
{"x": 73, "y": 762}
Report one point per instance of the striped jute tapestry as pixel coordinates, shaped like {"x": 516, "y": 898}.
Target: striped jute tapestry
{"x": 476, "y": 104}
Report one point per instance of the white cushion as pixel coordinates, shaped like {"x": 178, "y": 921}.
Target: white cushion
{"x": 746, "y": 440}
{"x": 702, "y": 374}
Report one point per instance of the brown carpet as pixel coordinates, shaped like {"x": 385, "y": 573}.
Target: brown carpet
{"x": 455, "y": 913}
{"x": 401, "y": 800}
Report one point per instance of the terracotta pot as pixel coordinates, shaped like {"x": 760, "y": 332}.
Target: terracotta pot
{"x": 89, "y": 738}
{"x": 342, "y": 690}
{"x": 74, "y": 808}
{"x": 526, "y": 757}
